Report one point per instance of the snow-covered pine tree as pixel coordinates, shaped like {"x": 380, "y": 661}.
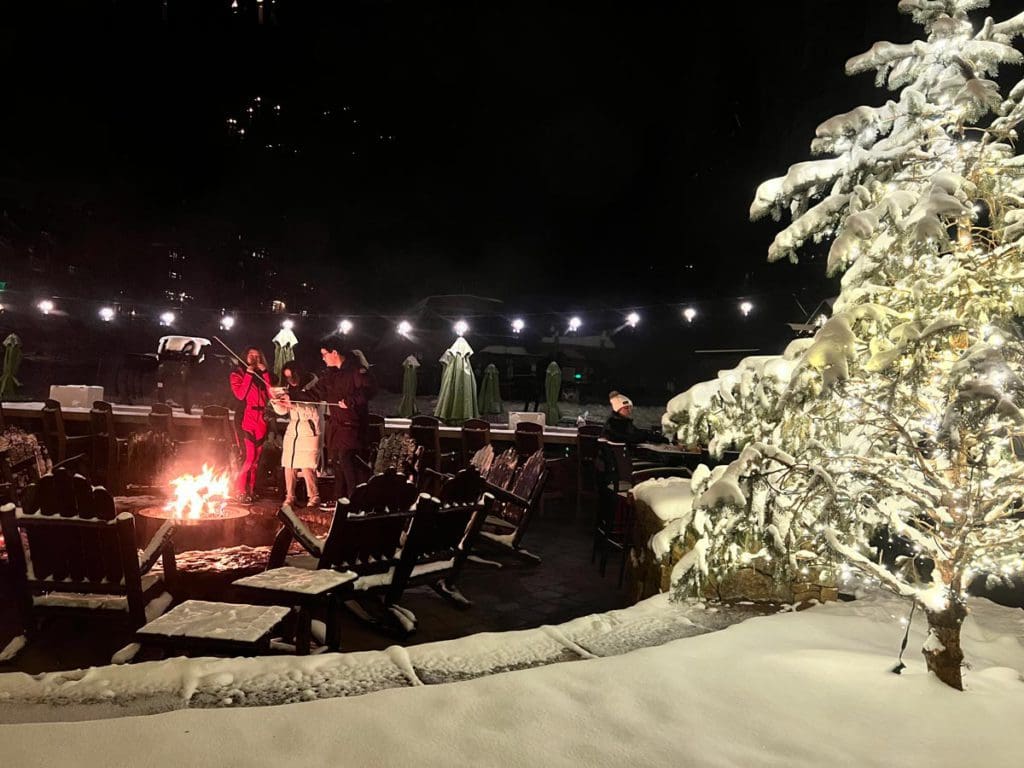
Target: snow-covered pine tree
{"x": 903, "y": 414}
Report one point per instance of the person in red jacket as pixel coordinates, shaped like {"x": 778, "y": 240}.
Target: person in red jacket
{"x": 252, "y": 388}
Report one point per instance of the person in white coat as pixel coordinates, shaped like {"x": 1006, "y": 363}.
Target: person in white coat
{"x": 300, "y": 451}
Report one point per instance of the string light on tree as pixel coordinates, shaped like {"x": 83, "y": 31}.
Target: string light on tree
{"x": 902, "y": 409}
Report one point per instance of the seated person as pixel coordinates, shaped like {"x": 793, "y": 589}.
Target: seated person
{"x": 619, "y": 428}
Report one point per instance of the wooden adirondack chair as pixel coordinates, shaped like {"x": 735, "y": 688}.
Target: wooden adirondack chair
{"x": 71, "y": 554}
{"x": 389, "y": 544}
{"x": 107, "y": 450}
{"x": 517, "y": 487}
{"x": 58, "y": 443}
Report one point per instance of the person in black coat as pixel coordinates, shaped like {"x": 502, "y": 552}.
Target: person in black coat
{"x": 619, "y": 427}
{"x": 345, "y": 388}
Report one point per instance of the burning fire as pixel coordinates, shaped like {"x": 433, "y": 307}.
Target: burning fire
{"x": 199, "y": 495}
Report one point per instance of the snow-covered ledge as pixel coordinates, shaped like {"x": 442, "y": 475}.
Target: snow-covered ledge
{"x": 181, "y": 683}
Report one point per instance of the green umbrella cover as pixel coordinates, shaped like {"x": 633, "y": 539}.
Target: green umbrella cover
{"x": 490, "y": 392}
{"x": 407, "y": 408}
{"x": 457, "y": 399}
{"x": 12, "y": 361}
{"x": 552, "y": 390}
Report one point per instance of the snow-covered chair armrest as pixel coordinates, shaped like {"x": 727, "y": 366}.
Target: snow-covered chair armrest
{"x": 302, "y": 534}
{"x": 156, "y": 546}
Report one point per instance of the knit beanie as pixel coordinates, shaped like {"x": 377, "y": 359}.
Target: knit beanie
{"x": 618, "y": 400}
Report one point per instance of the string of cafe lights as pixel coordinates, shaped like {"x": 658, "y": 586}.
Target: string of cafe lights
{"x": 518, "y": 324}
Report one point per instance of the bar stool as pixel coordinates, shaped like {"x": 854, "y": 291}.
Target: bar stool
{"x": 529, "y": 438}
{"x": 476, "y": 433}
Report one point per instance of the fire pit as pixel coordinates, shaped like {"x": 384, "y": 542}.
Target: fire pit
{"x": 206, "y": 518}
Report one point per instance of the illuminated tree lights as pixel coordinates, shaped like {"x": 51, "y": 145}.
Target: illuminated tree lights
{"x": 890, "y": 443}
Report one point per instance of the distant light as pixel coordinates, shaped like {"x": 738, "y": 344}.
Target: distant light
{"x": 518, "y": 325}
{"x": 45, "y": 306}
{"x": 345, "y": 326}
{"x": 287, "y": 324}
{"x": 575, "y": 323}
{"x": 632, "y": 319}
{"x": 689, "y": 313}
{"x": 578, "y": 376}
{"x": 167, "y": 318}
{"x": 107, "y": 314}
{"x": 745, "y": 308}
{"x": 461, "y": 327}
{"x": 227, "y": 322}
{"x": 404, "y": 328}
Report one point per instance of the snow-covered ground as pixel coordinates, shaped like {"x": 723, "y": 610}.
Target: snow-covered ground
{"x": 812, "y": 688}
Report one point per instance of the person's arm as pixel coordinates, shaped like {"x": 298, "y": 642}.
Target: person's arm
{"x": 240, "y": 383}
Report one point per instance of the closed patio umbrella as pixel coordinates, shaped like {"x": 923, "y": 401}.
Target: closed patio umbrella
{"x": 284, "y": 350}
{"x": 490, "y": 392}
{"x": 552, "y": 389}
{"x": 457, "y": 399}
{"x": 407, "y": 408}
{"x": 12, "y": 360}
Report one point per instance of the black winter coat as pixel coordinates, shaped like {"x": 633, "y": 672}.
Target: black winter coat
{"x": 619, "y": 429}
{"x": 346, "y": 427}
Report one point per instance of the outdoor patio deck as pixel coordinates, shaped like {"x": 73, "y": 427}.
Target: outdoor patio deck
{"x": 518, "y": 596}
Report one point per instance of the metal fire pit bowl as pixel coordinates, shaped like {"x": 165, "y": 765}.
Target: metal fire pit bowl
{"x": 212, "y": 531}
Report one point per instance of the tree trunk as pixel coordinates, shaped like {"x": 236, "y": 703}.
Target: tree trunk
{"x": 942, "y": 649}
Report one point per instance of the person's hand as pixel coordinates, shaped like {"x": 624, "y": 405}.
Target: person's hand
{"x": 250, "y": 369}
{"x": 341, "y": 404}
{"x": 262, "y": 368}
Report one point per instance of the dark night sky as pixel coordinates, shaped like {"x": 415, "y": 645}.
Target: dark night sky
{"x": 580, "y": 150}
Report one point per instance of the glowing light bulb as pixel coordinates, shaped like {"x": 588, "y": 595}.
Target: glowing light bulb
{"x": 404, "y": 328}
{"x": 745, "y": 308}
{"x": 288, "y": 324}
{"x": 345, "y": 326}
{"x": 106, "y": 314}
{"x": 518, "y": 325}
{"x": 575, "y": 323}
{"x": 632, "y": 319}
{"x": 689, "y": 313}
{"x": 167, "y": 318}
{"x": 45, "y": 306}
{"x": 227, "y": 322}
{"x": 461, "y": 327}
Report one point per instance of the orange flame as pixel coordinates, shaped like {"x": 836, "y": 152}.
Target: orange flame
{"x": 199, "y": 495}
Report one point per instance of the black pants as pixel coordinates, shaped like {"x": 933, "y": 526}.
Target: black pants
{"x": 346, "y": 472}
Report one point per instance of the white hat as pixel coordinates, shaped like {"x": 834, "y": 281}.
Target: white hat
{"x": 618, "y": 401}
